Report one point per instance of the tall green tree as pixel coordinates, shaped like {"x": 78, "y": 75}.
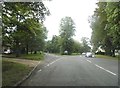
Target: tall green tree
{"x": 85, "y": 44}
{"x": 77, "y": 47}
{"x": 105, "y": 25}
{"x": 67, "y": 30}
{"x": 113, "y": 26}
{"x": 53, "y": 46}
{"x": 22, "y": 23}
{"x": 98, "y": 23}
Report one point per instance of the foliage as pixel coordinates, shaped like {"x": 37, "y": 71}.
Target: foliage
{"x": 77, "y": 47}
{"x": 85, "y": 44}
{"x": 105, "y": 24}
{"x": 65, "y": 42}
{"x": 67, "y": 29}
{"x": 23, "y": 30}
{"x": 54, "y": 45}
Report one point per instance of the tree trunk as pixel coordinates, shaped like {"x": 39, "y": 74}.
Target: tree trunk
{"x": 31, "y": 51}
{"x": 17, "y": 49}
{"x": 108, "y": 51}
{"x": 35, "y": 52}
{"x": 26, "y": 48}
{"x": 113, "y": 53}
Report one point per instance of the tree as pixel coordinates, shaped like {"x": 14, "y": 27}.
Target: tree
{"x": 22, "y": 23}
{"x": 0, "y": 39}
{"x": 105, "y": 25}
{"x": 85, "y": 44}
{"x": 53, "y": 46}
{"x": 67, "y": 29}
{"x": 113, "y": 25}
{"x": 37, "y": 42}
{"x": 77, "y": 47}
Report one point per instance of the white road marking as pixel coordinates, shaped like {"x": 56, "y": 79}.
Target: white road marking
{"x": 48, "y": 65}
{"x": 51, "y": 63}
{"x": 39, "y": 70}
{"x": 105, "y": 69}
{"x": 89, "y": 61}
{"x": 45, "y": 66}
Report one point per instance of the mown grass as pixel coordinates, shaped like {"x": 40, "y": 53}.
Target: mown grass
{"x": 13, "y": 72}
{"x": 37, "y": 56}
{"x": 66, "y": 54}
{"x": 33, "y": 56}
{"x": 75, "y": 54}
{"x": 106, "y": 57}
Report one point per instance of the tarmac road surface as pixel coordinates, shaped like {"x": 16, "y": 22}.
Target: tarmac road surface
{"x": 74, "y": 71}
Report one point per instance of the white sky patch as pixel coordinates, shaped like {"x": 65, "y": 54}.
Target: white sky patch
{"x": 78, "y": 10}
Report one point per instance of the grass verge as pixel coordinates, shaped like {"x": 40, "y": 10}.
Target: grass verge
{"x": 66, "y": 54}
{"x": 75, "y": 54}
{"x": 27, "y": 56}
{"x": 106, "y": 57}
{"x": 13, "y": 72}
{"x": 33, "y": 56}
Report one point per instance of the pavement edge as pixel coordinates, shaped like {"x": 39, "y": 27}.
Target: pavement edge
{"x": 27, "y": 76}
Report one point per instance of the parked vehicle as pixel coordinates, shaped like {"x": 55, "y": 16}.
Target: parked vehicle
{"x": 89, "y": 54}
{"x": 66, "y": 52}
{"x": 83, "y": 54}
{"x": 7, "y": 51}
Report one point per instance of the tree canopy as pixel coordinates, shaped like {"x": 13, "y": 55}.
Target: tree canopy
{"x": 64, "y": 41}
{"x": 23, "y": 30}
{"x": 67, "y": 30}
{"x": 105, "y": 26}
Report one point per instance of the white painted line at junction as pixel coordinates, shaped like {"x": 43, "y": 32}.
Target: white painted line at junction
{"x": 48, "y": 65}
{"x": 51, "y": 63}
{"x": 105, "y": 70}
{"x": 39, "y": 70}
{"x": 89, "y": 61}
{"x": 45, "y": 66}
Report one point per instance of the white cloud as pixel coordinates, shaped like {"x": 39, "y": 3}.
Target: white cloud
{"x": 79, "y": 10}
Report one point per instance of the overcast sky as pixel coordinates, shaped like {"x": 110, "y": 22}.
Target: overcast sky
{"x": 78, "y": 10}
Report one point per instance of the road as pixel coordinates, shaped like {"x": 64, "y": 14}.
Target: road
{"x": 74, "y": 71}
